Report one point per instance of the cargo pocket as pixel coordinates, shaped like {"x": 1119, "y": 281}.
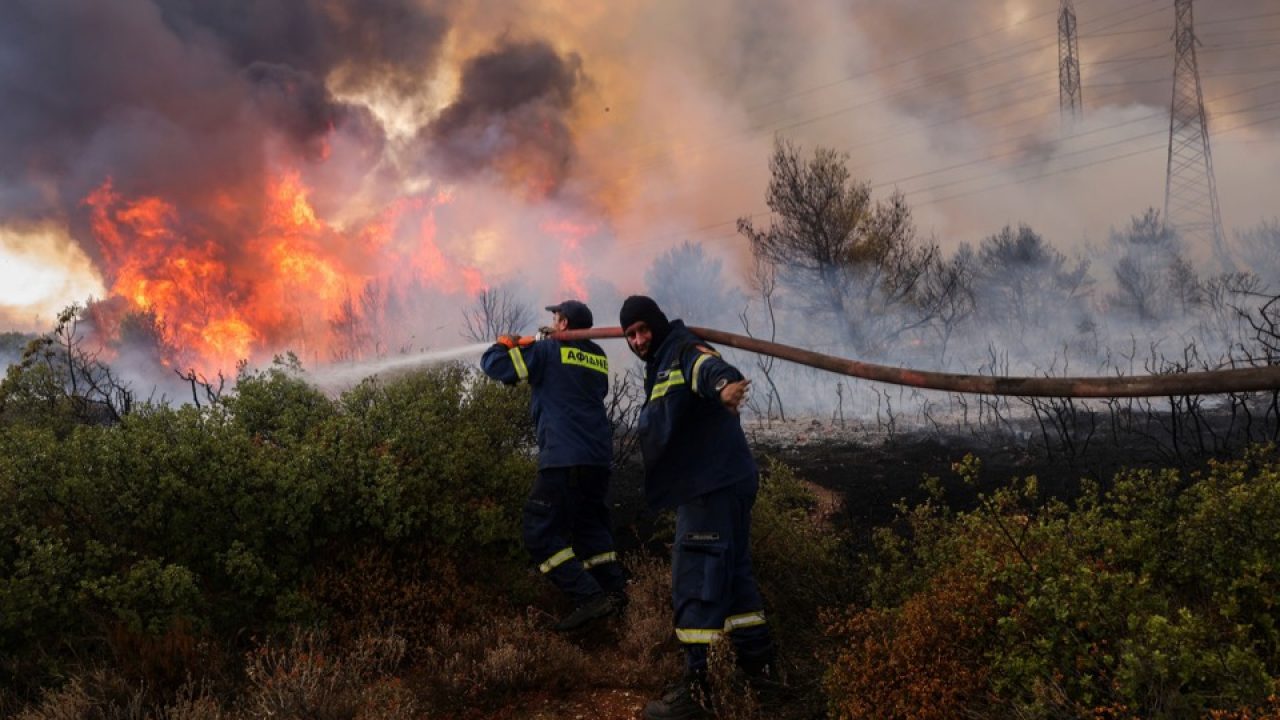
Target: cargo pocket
{"x": 701, "y": 566}
{"x": 537, "y": 527}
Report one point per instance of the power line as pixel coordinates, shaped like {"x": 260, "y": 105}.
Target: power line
{"x": 1221, "y": 21}
{"x": 1013, "y": 52}
{"x": 1016, "y": 151}
{"x": 1082, "y": 151}
{"x": 1005, "y": 55}
{"x": 902, "y": 61}
{"x": 1250, "y": 46}
{"x": 920, "y": 83}
{"x": 982, "y": 111}
{"x": 1112, "y": 126}
{"x": 1113, "y": 158}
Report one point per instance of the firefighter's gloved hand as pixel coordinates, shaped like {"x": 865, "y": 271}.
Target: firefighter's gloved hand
{"x": 544, "y": 332}
{"x": 511, "y": 341}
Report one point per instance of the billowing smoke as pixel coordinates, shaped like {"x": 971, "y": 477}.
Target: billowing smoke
{"x": 373, "y": 42}
{"x": 509, "y": 116}
{"x": 182, "y": 95}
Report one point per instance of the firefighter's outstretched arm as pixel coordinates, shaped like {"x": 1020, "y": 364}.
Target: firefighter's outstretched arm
{"x": 715, "y": 379}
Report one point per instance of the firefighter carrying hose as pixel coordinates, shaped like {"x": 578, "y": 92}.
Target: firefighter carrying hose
{"x": 696, "y": 460}
{"x": 566, "y": 519}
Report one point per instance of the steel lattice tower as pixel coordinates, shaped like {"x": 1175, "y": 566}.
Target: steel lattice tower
{"x": 1191, "y": 193}
{"x": 1070, "y": 97}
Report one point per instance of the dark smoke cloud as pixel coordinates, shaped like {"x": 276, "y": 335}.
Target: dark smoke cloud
{"x": 299, "y": 105}
{"x": 510, "y": 115}
{"x": 179, "y": 96}
{"x": 377, "y": 40}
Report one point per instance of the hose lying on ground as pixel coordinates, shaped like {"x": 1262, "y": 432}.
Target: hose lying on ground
{"x": 1183, "y": 383}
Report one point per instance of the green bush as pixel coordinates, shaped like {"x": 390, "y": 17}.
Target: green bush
{"x": 216, "y": 518}
{"x": 797, "y": 557}
{"x": 1154, "y": 599}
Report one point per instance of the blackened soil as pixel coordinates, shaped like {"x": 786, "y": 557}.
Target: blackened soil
{"x": 871, "y": 479}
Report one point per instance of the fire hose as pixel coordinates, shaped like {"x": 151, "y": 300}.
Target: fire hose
{"x": 1206, "y": 382}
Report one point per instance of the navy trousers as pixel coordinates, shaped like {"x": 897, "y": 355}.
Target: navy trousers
{"x": 713, "y": 590}
{"x": 567, "y": 531}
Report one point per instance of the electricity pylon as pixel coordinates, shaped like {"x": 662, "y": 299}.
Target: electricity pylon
{"x": 1070, "y": 96}
{"x": 1191, "y": 192}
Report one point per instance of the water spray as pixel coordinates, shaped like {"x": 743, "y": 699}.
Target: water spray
{"x": 1207, "y": 382}
{"x": 340, "y": 375}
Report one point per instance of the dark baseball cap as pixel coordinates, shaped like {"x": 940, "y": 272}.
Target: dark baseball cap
{"x": 577, "y": 313}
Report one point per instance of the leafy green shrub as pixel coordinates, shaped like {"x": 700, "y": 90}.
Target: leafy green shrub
{"x": 1154, "y": 599}
{"x": 798, "y": 561}
{"x": 216, "y": 519}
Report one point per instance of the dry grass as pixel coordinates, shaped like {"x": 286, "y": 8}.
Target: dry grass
{"x": 309, "y": 679}
{"x": 731, "y": 696}
{"x": 516, "y": 653}
{"x": 646, "y": 651}
{"x": 106, "y": 695}
{"x": 461, "y": 664}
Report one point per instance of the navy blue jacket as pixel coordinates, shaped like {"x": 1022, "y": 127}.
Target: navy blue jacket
{"x": 570, "y": 380}
{"x": 691, "y": 443}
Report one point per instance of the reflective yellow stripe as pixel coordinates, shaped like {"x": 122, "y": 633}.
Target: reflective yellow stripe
{"x": 518, "y": 361}
{"x": 673, "y": 379}
{"x": 745, "y": 620}
{"x": 697, "y": 364}
{"x": 698, "y": 636}
{"x": 600, "y": 559}
{"x": 556, "y": 560}
{"x": 574, "y": 356}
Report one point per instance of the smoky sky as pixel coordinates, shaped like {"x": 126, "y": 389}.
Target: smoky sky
{"x": 1125, "y": 52}
{"x": 512, "y": 101}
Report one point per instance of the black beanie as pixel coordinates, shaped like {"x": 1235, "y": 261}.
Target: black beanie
{"x": 641, "y": 307}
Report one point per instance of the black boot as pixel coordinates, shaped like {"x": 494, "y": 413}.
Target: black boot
{"x": 686, "y": 700}
{"x": 591, "y": 609}
{"x": 762, "y": 667}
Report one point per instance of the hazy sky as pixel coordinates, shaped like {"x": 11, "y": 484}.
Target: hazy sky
{"x": 573, "y": 138}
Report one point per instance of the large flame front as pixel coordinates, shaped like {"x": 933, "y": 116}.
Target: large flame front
{"x": 292, "y": 281}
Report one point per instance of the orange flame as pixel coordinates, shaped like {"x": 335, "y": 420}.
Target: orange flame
{"x": 286, "y": 277}
{"x": 572, "y": 271}
{"x": 214, "y": 314}
{"x": 156, "y": 269}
